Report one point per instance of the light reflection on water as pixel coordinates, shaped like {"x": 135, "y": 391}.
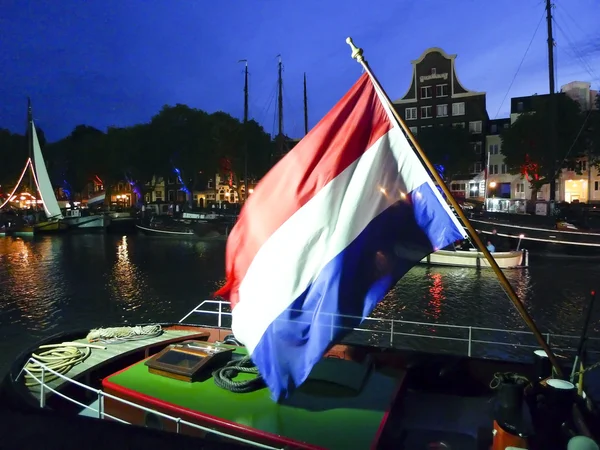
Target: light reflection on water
{"x": 50, "y": 284}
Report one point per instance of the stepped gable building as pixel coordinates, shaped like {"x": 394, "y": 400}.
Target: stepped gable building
{"x": 436, "y": 97}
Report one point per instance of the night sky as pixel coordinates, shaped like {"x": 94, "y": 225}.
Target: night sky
{"x": 117, "y": 62}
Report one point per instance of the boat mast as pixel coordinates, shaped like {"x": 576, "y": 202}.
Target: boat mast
{"x": 305, "y": 108}
{"x": 280, "y": 98}
{"x": 245, "y": 130}
{"x": 29, "y": 135}
{"x": 552, "y": 103}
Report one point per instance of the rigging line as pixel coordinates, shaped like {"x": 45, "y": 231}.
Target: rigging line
{"x": 520, "y": 64}
{"x": 262, "y": 118}
{"x": 290, "y": 107}
{"x": 578, "y": 55}
{"x": 576, "y": 137}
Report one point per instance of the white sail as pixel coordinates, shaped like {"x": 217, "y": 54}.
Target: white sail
{"x": 46, "y": 192}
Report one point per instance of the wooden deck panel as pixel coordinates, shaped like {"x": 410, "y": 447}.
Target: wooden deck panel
{"x": 99, "y": 356}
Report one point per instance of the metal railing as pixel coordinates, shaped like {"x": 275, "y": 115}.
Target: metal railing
{"x": 101, "y": 395}
{"x": 446, "y": 338}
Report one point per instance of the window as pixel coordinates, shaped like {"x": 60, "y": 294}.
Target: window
{"x": 494, "y": 129}
{"x": 433, "y": 71}
{"x": 520, "y": 107}
{"x": 506, "y": 125}
{"x": 426, "y": 126}
{"x": 475, "y": 127}
{"x": 458, "y": 109}
{"x": 493, "y": 149}
{"x": 171, "y": 196}
{"x": 458, "y": 187}
{"x": 411, "y": 113}
{"x": 493, "y": 169}
{"x": 596, "y": 185}
{"x": 441, "y": 90}
{"x": 426, "y": 92}
{"x": 458, "y": 125}
{"x": 477, "y": 167}
{"x": 414, "y": 130}
{"x": 442, "y": 111}
{"x": 520, "y": 187}
{"x": 170, "y": 180}
{"x": 477, "y": 148}
{"x": 426, "y": 112}
{"x": 504, "y": 169}
{"x": 158, "y": 195}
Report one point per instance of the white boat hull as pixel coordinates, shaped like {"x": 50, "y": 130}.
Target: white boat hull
{"x": 98, "y": 222}
{"x": 460, "y": 258}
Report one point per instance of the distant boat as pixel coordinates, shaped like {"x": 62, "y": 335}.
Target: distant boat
{"x": 464, "y": 258}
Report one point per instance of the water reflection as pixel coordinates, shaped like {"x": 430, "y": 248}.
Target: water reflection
{"x": 128, "y": 282}
{"x": 436, "y": 296}
{"x": 29, "y": 288}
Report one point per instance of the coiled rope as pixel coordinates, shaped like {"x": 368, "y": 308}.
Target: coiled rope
{"x": 508, "y": 377}
{"x": 59, "y": 357}
{"x": 224, "y": 376}
{"x": 121, "y": 334}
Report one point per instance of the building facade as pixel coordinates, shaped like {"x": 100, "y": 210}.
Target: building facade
{"x": 436, "y": 98}
{"x": 582, "y": 93}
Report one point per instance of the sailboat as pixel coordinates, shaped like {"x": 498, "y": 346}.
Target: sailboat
{"x": 38, "y": 174}
{"x": 54, "y": 215}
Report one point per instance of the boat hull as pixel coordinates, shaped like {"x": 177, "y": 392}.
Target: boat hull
{"x": 543, "y": 240}
{"x": 165, "y": 233}
{"x": 459, "y": 258}
{"x": 96, "y": 223}
{"x": 23, "y": 230}
{"x": 52, "y": 226}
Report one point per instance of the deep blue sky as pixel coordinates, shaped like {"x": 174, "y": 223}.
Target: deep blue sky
{"x": 116, "y": 62}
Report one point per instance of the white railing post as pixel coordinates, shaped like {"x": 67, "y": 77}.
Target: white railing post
{"x": 548, "y": 338}
{"x": 392, "y": 334}
{"x": 178, "y": 425}
{"x": 100, "y": 404}
{"x": 332, "y": 321}
{"x": 42, "y": 384}
{"x": 220, "y": 311}
{"x": 470, "y": 341}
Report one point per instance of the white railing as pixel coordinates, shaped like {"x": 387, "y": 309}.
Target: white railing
{"x": 101, "y": 395}
{"x": 385, "y": 332}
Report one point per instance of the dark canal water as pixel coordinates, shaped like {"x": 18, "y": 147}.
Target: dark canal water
{"x": 51, "y": 284}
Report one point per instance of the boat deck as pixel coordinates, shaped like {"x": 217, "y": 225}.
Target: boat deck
{"x": 342, "y": 405}
{"x": 113, "y": 351}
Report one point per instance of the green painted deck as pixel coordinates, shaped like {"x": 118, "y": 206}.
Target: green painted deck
{"x": 320, "y": 413}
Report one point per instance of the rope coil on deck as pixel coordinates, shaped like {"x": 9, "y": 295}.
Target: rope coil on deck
{"x": 59, "y": 357}
{"x": 224, "y": 376}
{"x": 122, "y": 334}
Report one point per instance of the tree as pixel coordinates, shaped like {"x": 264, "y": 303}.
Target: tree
{"x": 448, "y": 147}
{"x": 526, "y": 144}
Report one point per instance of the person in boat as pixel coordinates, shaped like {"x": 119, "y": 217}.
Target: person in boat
{"x": 491, "y": 248}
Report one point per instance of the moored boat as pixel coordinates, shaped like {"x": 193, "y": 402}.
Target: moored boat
{"x": 173, "y": 377}
{"x": 563, "y": 239}
{"x": 462, "y": 258}
{"x": 86, "y": 222}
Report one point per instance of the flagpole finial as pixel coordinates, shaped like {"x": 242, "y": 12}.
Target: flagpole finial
{"x": 357, "y": 53}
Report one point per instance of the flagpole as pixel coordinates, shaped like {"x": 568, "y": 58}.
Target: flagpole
{"x": 357, "y": 53}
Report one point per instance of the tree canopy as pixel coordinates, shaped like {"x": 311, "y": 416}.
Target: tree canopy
{"x": 449, "y": 147}
{"x": 527, "y": 143}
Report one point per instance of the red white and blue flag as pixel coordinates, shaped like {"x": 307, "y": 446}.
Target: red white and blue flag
{"x": 325, "y": 235}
